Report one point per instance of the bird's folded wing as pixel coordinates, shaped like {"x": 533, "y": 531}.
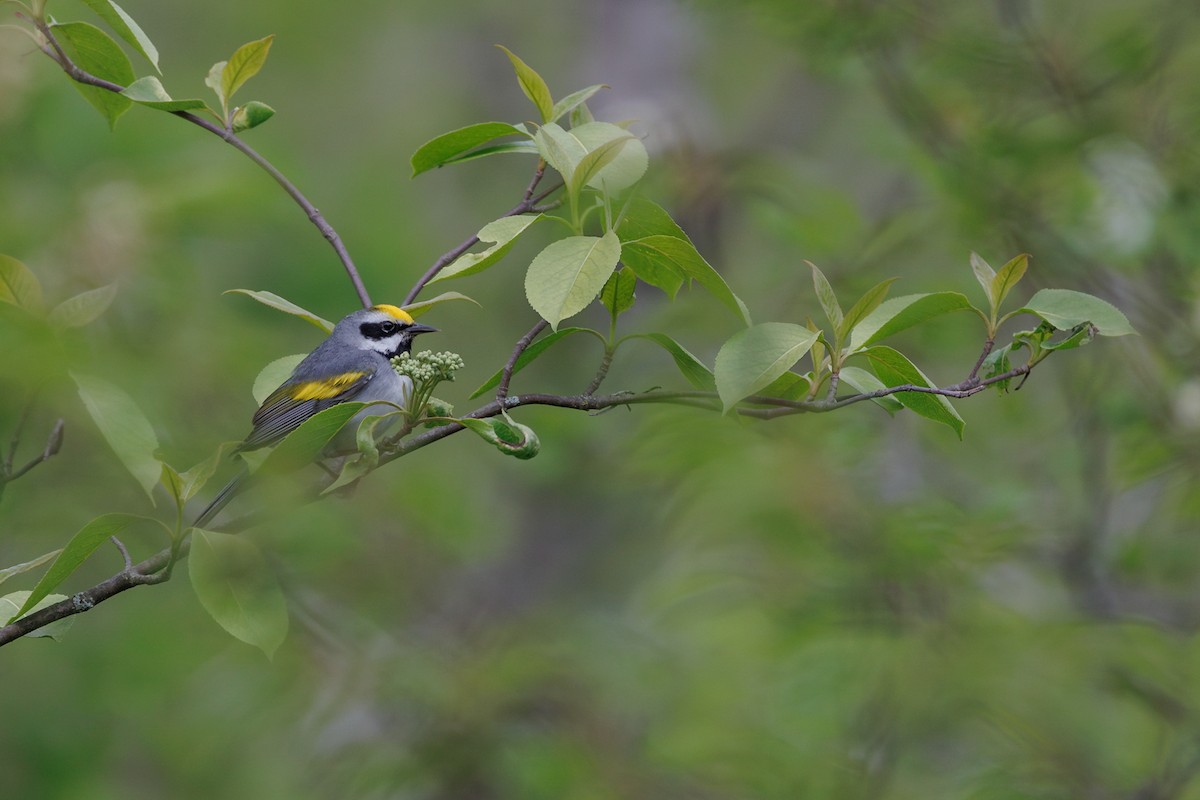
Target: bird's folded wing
{"x": 291, "y": 404}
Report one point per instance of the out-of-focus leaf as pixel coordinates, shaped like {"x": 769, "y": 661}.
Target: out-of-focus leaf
{"x": 94, "y": 51}
{"x": 532, "y": 85}
{"x": 272, "y": 376}
{"x": 236, "y": 587}
{"x": 756, "y": 356}
{"x": 126, "y": 28}
{"x": 85, "y": 307}
{"x": 894, "y": 369}
{"x": 17, "y": 569}
{"x": 565, "y": 277}
{"x": 530, "y": 353}
{"x": 303, "y": 445}
{"x": 901, "y": 313}
{"x": 1065, "y": 309}
{"x": 76, "y": 551}
{"x": 502, "y": 234}
{"x": 192, "y": 481}
{"x": 448, "y": 147}
{"x": 124, "y": 427}
{"x": 213, "y": 81}
{"x": 9, "y": 604}
{"x": 417, "y": 309}
{"x": 19, "y": 286}
{"x": 288, "y": 307}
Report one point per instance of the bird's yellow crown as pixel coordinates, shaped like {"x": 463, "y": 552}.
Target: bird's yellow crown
{"x": 394, "y": 311}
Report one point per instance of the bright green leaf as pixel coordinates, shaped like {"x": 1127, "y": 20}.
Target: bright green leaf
{"x": 126, "y": 28}
{"x": 76, "y": 551}
{"x": 85, "y": 307}
{"x": 9, "y": 604}
{"x": 681, "y": 256}
{"x": 826, "y": 297}
{"x": 250, "y": 116}
{"x": 417, "y": 309}
{"x": 244, "y": 64}
{"x": 530, "y": 353}
{"x": 618, "y": 292}
{"x": 275, "y": 301}
{"x": 1008, "y": 276}
{"x": 756, "y": 356}
{"x": 865, "y": 305}
{"x": 565, "y": 277}
{"x": 864, "y": 382}
{"x": 19, "y": 286}
{"x": 17, "y": 569}
{"x": 445, "y": 148}
{"x": 124, "y": 427}
{"x": 560, "y": 150}
{"x": 894, "y": 369}
{"x": 692, "y": 368}
{"x": 1065, "y": 309}
{"x": 589, "y": 167}
{"x": 502, "y": 234}
{"x": 645, "y": 218}
{"x": 236, "y": 587}
{"x": 901, "y": 313}
{"x": 573, "y": 101}
{"x": 532, "y": 85}
{"x": 524, "y": 148}
{"x": 94, "y": 51}
{"x": 625, "y": 168}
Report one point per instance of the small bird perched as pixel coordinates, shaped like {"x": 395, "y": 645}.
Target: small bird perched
{"x": 352, "y": 364}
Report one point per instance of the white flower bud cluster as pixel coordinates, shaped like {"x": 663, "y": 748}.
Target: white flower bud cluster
{"x": 428, "y": 368}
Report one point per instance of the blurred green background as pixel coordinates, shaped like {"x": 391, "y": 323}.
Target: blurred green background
{"x": 663, "y": 604}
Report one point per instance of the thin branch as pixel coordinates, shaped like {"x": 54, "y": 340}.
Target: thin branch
{"x": 987, "y": 350}
{"x": 511, "y": 364}
{"x": 602, "y": 372}
{"x": 528, "y": 203}
{"x": 55, "y": 51}
{"x": 53, "y": 444}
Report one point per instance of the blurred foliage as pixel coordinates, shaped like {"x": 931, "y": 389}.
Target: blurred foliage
{"x": 662, "y": 604}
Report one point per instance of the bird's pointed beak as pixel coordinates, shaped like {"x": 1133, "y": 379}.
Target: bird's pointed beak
{"x": 417, "y": 327}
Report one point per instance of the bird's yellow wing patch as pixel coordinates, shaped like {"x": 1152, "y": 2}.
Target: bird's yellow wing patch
{"x": 394, "y": 311}
{"x": 324, "y": 388}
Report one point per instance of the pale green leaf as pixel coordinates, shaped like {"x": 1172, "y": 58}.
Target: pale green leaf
{"x": 589, "y": 167}
{"x": 237, "y": 588}
{"x": 85, "y": 307}
{"x": 560, "y": 150}
{"x": 149, "y": 92}
{"x": 532, "y": 85}
{"x": 9, "y": 604}
{"x": 272, "y": 376}
{"x": 213, "y": 81}
{"x": 192, "y": 481}
{"x": 901, "y": 313}
{"x": 865, "y": 305}
{"x": 19, "y": 286}
{"x": 288, "y": 307}
{"x": 17, "y": 569}
{"x": 501, "y": 234}
{"x": 1065, "y": 309}
{"x": 986, "y": 277}
{"x": 756, "y": 356}
{"x": 417, "y": 309}
{"x": 124, "y": 427}
{"x": 573, "y": 101}
{"x": 126, "y": 28}
{"x": 565, "y": 277}
{"x": 629, "y": 163}
{"x": 864, "y": 382}
{"x": 826, "y": 297}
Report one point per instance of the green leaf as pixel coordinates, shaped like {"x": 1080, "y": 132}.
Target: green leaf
{"x": 864, "y": 382}
{"x": 124, "y": 427}
{"x": 681, "y": 256}
{"x": 525, "y": 148}
{"x": 502, "y": 233}
{"x": 192, "y": 481}
{"x": 894, "y": 369}
{"x": 532, "y": 85}
{"x": 645, "y": 218}
{"x": 865, "y": 305}
{"x": 244, "y": 64}
{"x": 825, "y": 295}
{"x": 250, "y": 116}
{"x": 213, "y": 81}
{"x": 76, "y": 551}
{"x": 788, "y": 386}
{"x": 19, "y": 286}
{"x": 581, "y": 115}
{"x": 94, "y": 51}
{"x": 303, "y": 445}
{"x": 450, "y": 146}
{"x": 530, "y": 353}
{"x": 126, "y": 28}
{"x": 149, "y": 92}
{"x": 1008, "y": 276}
{"x": 573, "y": 100}
{"x": 510, "y": 438}
{"x": 17, "y": 569}
{"x": 624, "y": 169}
{"x": 288, "y": 307}
{"x": 85, "y": 307}
{"x": 367, "y": 457}
{"x": 237, "y": 589}
{"x": 590, "y": 166}
{"x": 1079, "y": 336}
{"x": 697, "y": 374}
{"x": 901, "y": 313}
{"x": 618, "y": 292}
{"x": 9, "y": 604}
{"x": 565, "y": 277}
{"x": 560, "y": 149}
{"x": 417, "y": 309}
{"x": 272, "y": 376}
{"x": 986, "y": 277}
{"x": 1065, "y": 309}
{"x": 172, "y": 482}
{"x": 756, "y": 356}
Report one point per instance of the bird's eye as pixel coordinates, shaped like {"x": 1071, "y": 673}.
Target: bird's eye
{"x": 387, "y": 327}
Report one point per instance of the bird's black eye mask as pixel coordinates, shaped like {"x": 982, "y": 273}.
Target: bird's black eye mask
{"x": 380, "y": 330}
